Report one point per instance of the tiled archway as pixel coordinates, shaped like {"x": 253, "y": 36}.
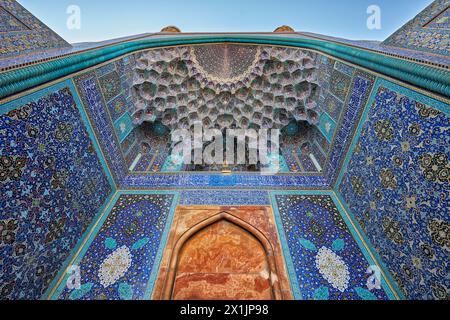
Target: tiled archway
{"x": 214, "y": 252}
{"x": 218, "y": 261}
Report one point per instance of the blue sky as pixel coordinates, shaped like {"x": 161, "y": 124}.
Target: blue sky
{"x": 107, "y": 19}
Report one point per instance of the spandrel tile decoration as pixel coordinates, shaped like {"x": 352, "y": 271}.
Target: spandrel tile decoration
{"x": 281, "y": 165}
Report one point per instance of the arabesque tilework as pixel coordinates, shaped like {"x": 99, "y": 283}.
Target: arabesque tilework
{"x": 429, "y": 31}
{"x": 384, "y": 148}
{"x": 362, "y": 86}
{"x": 346, "y": 101}
{"x": 91, "y": 96}
{"x": 223, "y": 198}
{"x": 52, "y": 186}
{"x": 396, "y": 184}
{"x": 22, "y": 33}
{"x": 324, "y": 259}
{"x": 342, "y": 103}
{"x": 118, "y": 263}
{"x": 109, "y": 86}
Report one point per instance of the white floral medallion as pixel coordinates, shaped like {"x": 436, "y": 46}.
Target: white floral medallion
{"x": 114, "y": 266}
{"x": 333, "y": 269}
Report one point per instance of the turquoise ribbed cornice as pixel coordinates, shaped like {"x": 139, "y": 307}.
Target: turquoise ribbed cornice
{"x": 426, "y": 77}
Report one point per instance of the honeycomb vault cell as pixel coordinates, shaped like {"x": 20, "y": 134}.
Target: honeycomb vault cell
{"x": 226, "y": 86}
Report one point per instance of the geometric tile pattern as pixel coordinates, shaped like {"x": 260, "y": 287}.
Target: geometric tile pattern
{"x": 327, "y": 263}
{"x": 108, "y": 87}
{"x": 429, "y": 31}
{"x": 361, "y": 87}
{"x": 91, "y": 96}
{"x": 52, "y": 186}
{"x": 395, "y": 180}
{"x": 22, "y": 33}
{"x": 115, "y": 81}
{"x": 225, "y": 86}
{"x": 442, "y": 21}
{"x": 119, "y": 261}
{"x": 225, "y": 197}
{"x": 336, "y": 79}
{"x": 396, "y": 184}
{"x": 10, "y": 23}
{"x": 111, "y": 86}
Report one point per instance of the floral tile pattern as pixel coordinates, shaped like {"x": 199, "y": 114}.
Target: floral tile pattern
{"x": 327, "y": 262}
{"x": 119, "y": 261}
{"x": 396, "y": 184}
{"x": 109, "y": 86}
{"x": 10, "y": 23}
{"x": 22, "y": 33}
{"x": 442, "y": 21}
{"x": 90, "y": 94}
{"x": 225, "y": 197}
{"x": 362, "y": 84}
{"x": 52, "y": 187}
{"x": 429, "y": 31}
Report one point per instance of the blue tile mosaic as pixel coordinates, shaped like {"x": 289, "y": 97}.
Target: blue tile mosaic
{"x": 124, "y": 126}
{"x": 10, "y": 23}
{"x": 396, "y": 181}
{"x": 91, "y": 96}
{"x": 307, "y": 163}
{"x": 22, "y": 33}
{"x": 52, "y": 186}
{"x": 117, "y": 107}
{"x": 429, "y": 31}
{"x": 327, "y": 126}
{"x": 333, "y": 106}
{"x": 344, "y": 68}
{"x": 441, "y": 21}
{"x": 112, "y": 89}
{"x": 118, "y": 262}
{"x": 380, "y": 47}
{"x": 362, "y": 85}
{"x": 108, "y": 87}
{"x": 324, "y": 260}
{"x": 189, "y": 181}
{"x": 224, "y": 198}
{"x": 109, "y": 82}
{"x": 342, "y": 102}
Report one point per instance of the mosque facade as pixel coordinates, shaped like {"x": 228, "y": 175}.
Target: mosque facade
{"x": 353, "y": 204}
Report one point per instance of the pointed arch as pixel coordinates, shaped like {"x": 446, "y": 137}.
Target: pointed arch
{"x": 222, "y": 216}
